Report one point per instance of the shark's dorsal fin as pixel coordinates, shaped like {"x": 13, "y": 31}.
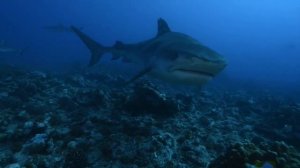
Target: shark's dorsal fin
{"x": 162, "y": 27}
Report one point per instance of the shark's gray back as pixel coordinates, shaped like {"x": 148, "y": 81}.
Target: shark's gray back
{"x": 164, "y": 46}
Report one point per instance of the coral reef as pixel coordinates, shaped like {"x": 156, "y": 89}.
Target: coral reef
{"x": 242, "y": 155}
{"x": 90, "y": 120}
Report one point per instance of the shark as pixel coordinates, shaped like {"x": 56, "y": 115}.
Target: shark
{"x": 5, "y": 49}
{"x": 169, "y": 56}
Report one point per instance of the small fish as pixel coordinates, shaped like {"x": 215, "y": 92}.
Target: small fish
{"x": 169, "y": 56}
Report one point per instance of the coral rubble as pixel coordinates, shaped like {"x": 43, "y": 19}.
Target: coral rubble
{"x": 88, "y": 120}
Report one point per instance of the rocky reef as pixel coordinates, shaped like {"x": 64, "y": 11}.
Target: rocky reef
{"x": 273, "y": 154}
{"x": 92, "y": 120}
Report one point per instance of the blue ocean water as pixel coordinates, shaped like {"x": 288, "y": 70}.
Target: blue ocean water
{"x": 260, "y": 39}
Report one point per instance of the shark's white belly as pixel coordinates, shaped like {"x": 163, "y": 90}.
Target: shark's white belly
{"x": 180, "y": 77}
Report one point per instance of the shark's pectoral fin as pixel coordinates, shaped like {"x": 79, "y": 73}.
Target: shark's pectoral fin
{"x": 140, "y": 74}
{"x": 162, "y": 27}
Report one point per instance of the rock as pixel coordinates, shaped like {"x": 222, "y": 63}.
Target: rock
{"x": 37, "y": 145}
{"x": 147, "y": 100}
{"x": 90, "y": 98}
{"x": 11, "y": 102}
{"x": 72, "y": 144}
{"x": 9, "y": 71}
{"x": 234, "y": 157}
{"x": 38, "y": 74}
{"x": 196, "y": 155}
{"x": 25, "y": 90}
{"x": 35, "y": 108}
{"x": 60, "y": 133}
{"x": 6, "y": 156}
{"x": 3, "y": 95}
{"x": 67, "y": 103}
{"x": 240, "y": 155}
{"x": 28, "y": 125}
{"x": 77, "y": 80}
{"x": 14, "y": 165}
{"x": 23, "y": 114}
{"x": 3, "y": 137}
{"x": 164, "y": 149}
{"x": 185, "y": 102}
{"x": 76, "y": 159}
{"x": 139, "y": 127}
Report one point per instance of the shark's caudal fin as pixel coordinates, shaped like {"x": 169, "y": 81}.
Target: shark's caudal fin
{"x": 96, "y": 49}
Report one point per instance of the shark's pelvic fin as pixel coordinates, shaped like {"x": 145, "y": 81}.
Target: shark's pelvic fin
{"x": 96, "y": 49}
{"x": 140, "y": 74}
{"x": 162, "y": 27}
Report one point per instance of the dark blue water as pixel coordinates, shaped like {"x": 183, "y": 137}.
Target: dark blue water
{"x": 260, "y": 39}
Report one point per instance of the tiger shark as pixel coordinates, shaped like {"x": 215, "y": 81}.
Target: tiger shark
{"x": 169, "y": 56}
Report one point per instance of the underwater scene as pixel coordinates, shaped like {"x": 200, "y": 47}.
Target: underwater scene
{"x": 149, "y": 84}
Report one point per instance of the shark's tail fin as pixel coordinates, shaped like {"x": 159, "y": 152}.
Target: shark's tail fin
{"x": 96, "y": 49}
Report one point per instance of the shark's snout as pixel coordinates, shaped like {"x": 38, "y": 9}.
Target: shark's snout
{"x": 196, "y": 70}
{"x": 213, "y": 68}
{"x": 197, "y": 64}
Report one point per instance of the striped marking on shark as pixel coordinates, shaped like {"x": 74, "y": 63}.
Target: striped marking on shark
{"x": 169, "y": 56}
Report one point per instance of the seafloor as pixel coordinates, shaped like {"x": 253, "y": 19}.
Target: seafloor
{"x": 90, "y": 119}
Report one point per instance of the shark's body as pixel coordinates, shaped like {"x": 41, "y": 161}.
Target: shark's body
{"x": 4, "y": 49}
{"x": 170, "y": 56}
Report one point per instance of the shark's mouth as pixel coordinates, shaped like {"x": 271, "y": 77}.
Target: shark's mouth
{"x": 196, "y": 72}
